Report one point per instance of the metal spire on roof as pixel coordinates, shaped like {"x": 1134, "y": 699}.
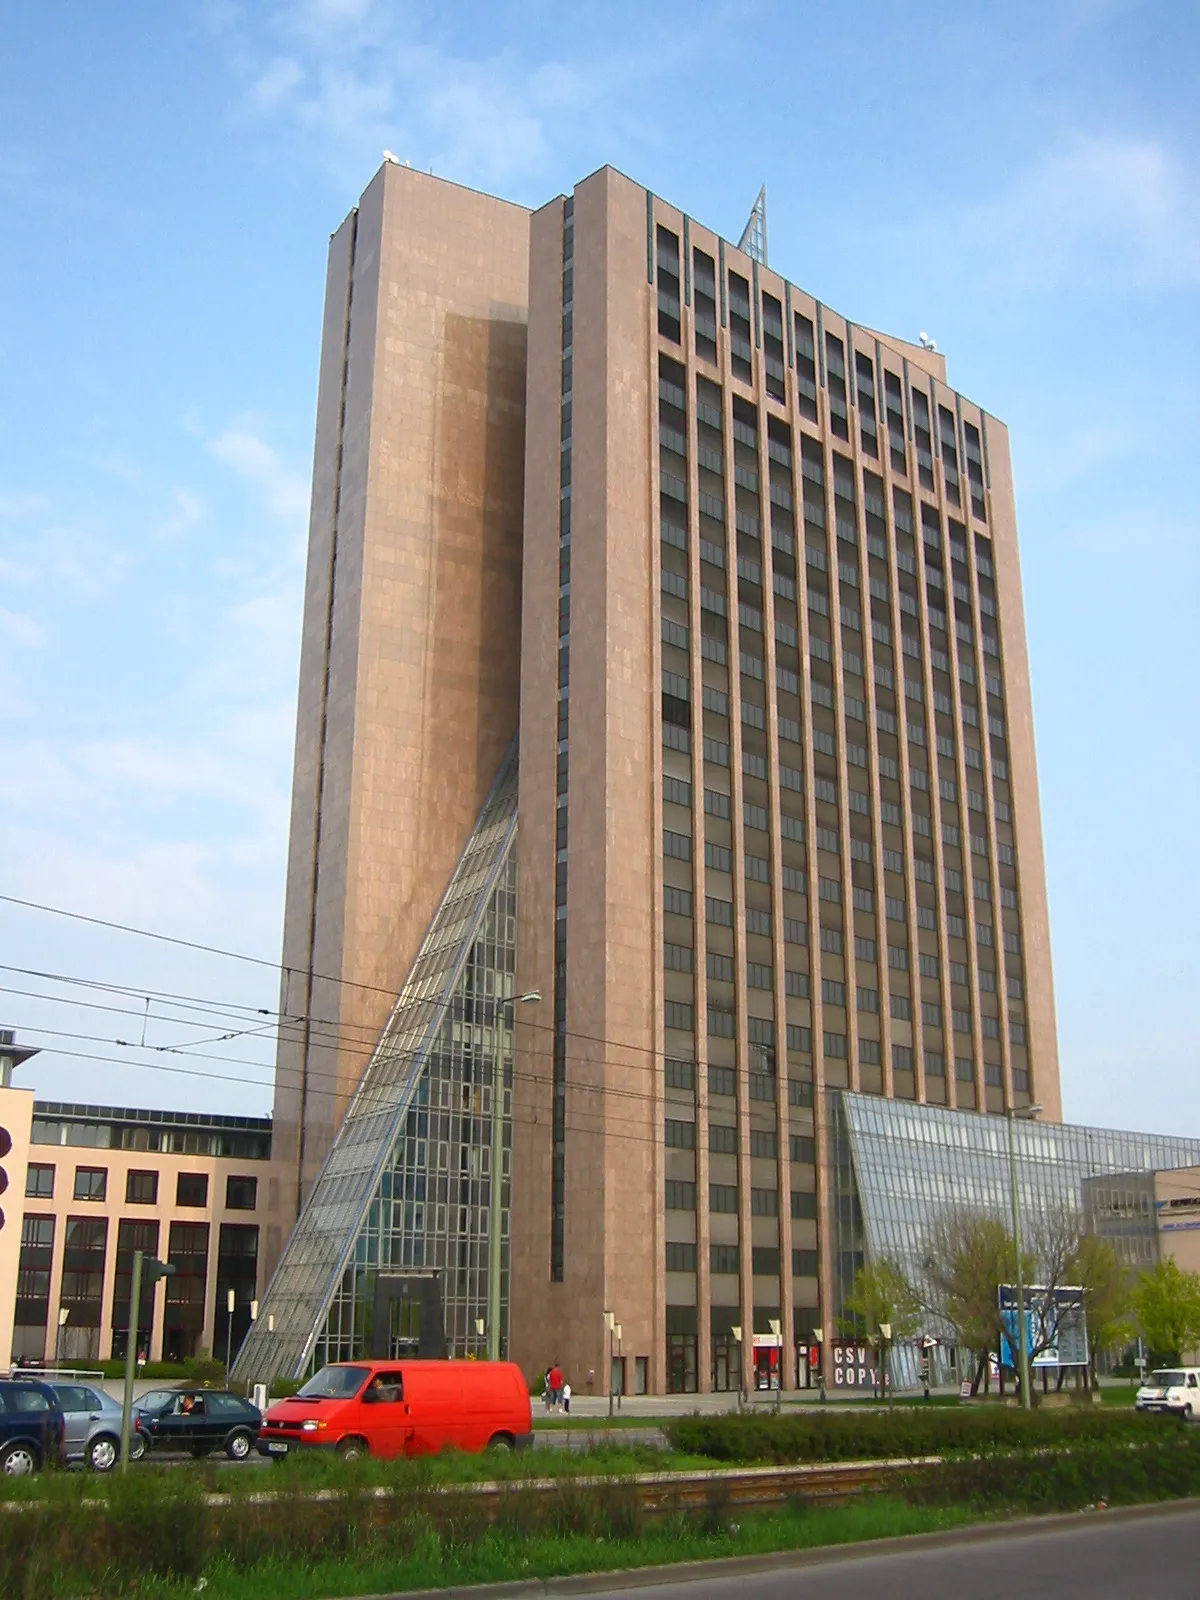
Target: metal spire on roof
{"x": 754, "y": 234}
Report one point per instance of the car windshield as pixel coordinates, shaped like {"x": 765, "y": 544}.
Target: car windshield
{"x": 156, "y": 1399}
{"x": 1167, "y": 1378}
{"x": 334, "y": 1383}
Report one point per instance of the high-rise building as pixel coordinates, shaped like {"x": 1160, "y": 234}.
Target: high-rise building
{"x": 776, "y": 833}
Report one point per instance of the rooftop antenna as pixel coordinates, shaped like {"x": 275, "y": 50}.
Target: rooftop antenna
{"x": 754, "y": 234}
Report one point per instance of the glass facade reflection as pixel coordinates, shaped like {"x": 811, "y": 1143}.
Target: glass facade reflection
{"x": 896, "y": 1168}
{"x": 383, "y": 1194}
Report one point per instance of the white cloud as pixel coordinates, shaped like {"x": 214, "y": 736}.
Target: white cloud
{"x": 285, "y": 491}
{"x": 1096, "y": 212}
{"x": 16, "y": 628}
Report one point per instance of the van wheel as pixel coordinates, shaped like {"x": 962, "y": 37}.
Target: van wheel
{"x": 352, "y": 1449}
{"x": 501, "y": 1443}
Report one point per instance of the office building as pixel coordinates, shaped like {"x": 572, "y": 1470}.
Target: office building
{"x": 746, "y": 573}
{"x": 84, "y": 1187}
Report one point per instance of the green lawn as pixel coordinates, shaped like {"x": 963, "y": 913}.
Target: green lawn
{"x": 496, "y": 1557}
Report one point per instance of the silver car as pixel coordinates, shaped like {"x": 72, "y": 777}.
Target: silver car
{"x": 93, "y": 1433}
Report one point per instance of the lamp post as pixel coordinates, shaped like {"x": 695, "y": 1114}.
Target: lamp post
{"x": 230, "y": 1302}
{"x": 1027, "y": 1113}
{"x": 610, "y": 1323}
{"x": 776, "y": 1328}
{"x": 737, "y": 1334}
{"x": 885, "y": 1339}
{"x": 529, "y": 998}
{"x": 64, "y": 1316}
{"x": 818, "y": 1337}
{"x": 621, "y": 1369}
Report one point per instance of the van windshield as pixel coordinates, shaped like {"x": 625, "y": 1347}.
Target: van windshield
{"x": 334, "y": 1383}
{"x": 1167, "y": 1379}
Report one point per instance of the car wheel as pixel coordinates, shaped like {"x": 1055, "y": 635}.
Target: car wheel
{"x": 103, "y": 1453}
{"x": 137, "y": 1446}
{"x": 352, "y": 1449}
{"x": 19, "y": 1461}
{"x": 501, "y": 1444}
{"x": 239, "y": 1445}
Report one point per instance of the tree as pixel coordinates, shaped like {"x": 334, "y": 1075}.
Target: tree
{"x": 1167, "y": 1300}
{"x": 882, "y": 1293}
{"x": 1108, "y": 1295}
{"x": 967, "y": 1256}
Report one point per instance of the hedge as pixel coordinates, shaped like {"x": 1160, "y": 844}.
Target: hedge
{"x": 902, "y": 1434}
{"x": 1091, "y": 1472}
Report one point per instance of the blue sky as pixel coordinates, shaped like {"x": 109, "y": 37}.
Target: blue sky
{"x": 1019, "y": 180}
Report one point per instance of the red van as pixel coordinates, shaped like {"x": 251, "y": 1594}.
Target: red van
{"x": 403, "y": 1408}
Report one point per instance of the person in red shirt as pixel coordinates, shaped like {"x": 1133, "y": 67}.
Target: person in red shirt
{"x": 554, "y": 1383}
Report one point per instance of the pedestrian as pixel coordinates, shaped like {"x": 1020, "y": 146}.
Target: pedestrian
{"x": 566, "y": 1396}
{"x": 554, "y": 1382}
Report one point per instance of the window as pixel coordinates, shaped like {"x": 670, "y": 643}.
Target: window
{"x": 831, "y": 941}
{"x": 677, "y": 1014}
{"x": 91, "y": 1183}
{"x": 864, "y": 949}
{"x": 897, "y": 957}
{"x": 901, "y": 1058}
{"x": 803, "y": 1148}
{"x": 868, "y": 1052}
{"x": 677, "y": 791}
{"x": 722, "y": 1197}
{"x": 680, "y": 1196}
{"x": 931, "y": 1014}
{"x": 721, "y": 1080}
{"x": 679, "y": 1074}
{"x": 191, "y": 1189}
{"x": 804, "y": 1263}
{"x": 935, "y": 1064}
{"x": 719, "y": 911}
{"x": 720, "y": 967}
{"x": 676, "y": 958}
{"x": 679, "y": 1135}
{"x": 832, "y": 992}
{"x": 868, "y": 999}
{"x": 901, "y": 1007}
{"x": 804, "y": 1206}
{"x": 763, "y": 1143}
{"x": 723, "y": 1259}
{"x": 39, "y": 1182}
{"x": 764, "y": 1261}
{"x": 677, "y": 901}
{"x": 141, "y": 1188}
{"x": 722, "y": 1139}
{"x": 241, "y": 1194}
{"x": 681, "y": 1257}
{"x": 764, "y": 1203}
{"x": 964, "y": 1069}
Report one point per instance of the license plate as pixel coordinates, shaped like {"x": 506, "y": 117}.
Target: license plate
{"x": 278, "y": 1447}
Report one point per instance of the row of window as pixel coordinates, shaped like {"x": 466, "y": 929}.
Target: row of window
{"x": 141, "y": 1188}
{"x": 726, "y": 1258}
{"x": 862, "y": 393}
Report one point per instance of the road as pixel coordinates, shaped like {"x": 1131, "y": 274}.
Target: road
{"x": 1152, "y": 1557}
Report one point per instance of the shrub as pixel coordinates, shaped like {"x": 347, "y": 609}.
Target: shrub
{"x": 903, "y": 1434}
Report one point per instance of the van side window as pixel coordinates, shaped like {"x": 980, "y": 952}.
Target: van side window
{"x": 1192, "y": 1384}
{"x": 388, "y": 1387}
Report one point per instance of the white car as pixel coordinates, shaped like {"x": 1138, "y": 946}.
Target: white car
{"x": 1173, "y": 1389}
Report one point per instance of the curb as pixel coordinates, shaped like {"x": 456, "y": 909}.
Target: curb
{"x": 781, "y": 1561}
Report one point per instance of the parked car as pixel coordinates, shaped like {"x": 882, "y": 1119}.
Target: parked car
{"x": 1172, "y": 1389}
{"x": 32, "y": 1426}
{"x": 93, "y": 1420}
{"x": 198, "y": 1421}
{"x": 409, "y": 1408}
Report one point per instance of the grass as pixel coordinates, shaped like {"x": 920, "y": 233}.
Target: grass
{"x": 496, "y": 1557}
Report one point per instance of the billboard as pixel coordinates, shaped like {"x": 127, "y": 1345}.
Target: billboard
{"x": 1055, "y": 1326}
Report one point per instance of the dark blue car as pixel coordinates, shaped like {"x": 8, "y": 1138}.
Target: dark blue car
{"x": 32, "y": 1427}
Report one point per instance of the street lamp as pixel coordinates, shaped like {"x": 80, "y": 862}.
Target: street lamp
{"x": 885, "y": 1339}
{"x": 776, "y": 1328}
{"x": 610, "y": 1323}
{"x": 230, "y": 1302}
{"x": 1026, "y": 1113}
{"x": 64, "y": 1316}
{"x": 737, "y": 1334}
{"x": 531, "y": 997}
